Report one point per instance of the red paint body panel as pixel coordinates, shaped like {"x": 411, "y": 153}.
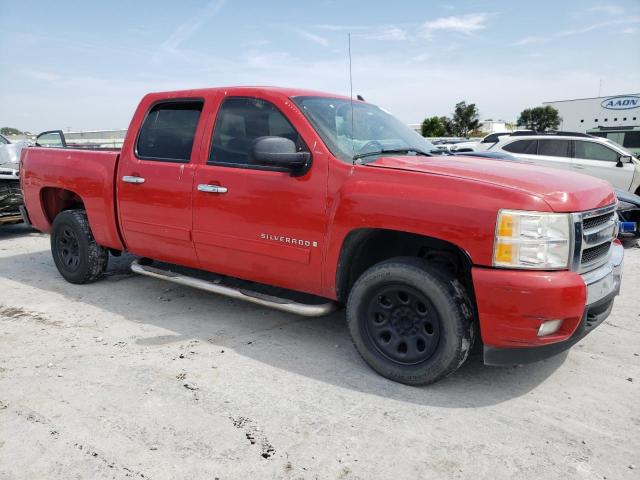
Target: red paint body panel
{"x": 564, "y": 193}
{"x": 239, "y": 232}
{"x": 289, "y": 231}
{"x": 88, "y": 174}
{"x": 512, "y": 305}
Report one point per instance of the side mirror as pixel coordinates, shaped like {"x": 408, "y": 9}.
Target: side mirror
{"x": 279, "y": 152}
{"x": 622, "y": 160}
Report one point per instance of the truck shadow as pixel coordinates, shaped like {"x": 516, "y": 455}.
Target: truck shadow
{"x": 317, "y": 348}
{"x": 17, "y": 230}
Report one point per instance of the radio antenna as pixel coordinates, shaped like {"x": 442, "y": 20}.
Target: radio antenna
{"x": 353, "y": 148}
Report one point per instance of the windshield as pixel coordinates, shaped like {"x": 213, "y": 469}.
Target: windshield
{"x": 360, "y": 129}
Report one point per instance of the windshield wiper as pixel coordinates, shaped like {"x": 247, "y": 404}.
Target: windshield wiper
{"x": 392, "y": 150}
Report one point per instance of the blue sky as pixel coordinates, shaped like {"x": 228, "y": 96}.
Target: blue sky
{"x": 85, "y": 64}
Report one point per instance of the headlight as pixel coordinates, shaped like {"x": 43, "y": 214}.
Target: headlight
{"x": 535, "y": 240}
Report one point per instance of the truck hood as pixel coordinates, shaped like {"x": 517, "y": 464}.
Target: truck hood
{"x": 563, "y": 191}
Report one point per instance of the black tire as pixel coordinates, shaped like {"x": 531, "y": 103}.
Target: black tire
{"x": 410, "y": 322}
{"x": 10, "y": 197}
{"x": 77, "y": 256}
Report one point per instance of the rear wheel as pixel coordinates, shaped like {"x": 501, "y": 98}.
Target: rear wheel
{"x": 77, "y": 256}
{"x": 410, "y": 322}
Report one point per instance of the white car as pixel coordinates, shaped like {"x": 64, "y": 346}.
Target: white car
{"x": 473, "y": 145}
{"x": 579, "y": 152}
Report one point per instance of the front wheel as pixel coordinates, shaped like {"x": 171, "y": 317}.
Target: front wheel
{"x": 410, "y": 322}
{"x": 77, "y": 256}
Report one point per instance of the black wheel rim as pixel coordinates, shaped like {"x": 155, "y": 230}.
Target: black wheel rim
{"x": 402, "y": 324}
{"x": 68, "y": 249}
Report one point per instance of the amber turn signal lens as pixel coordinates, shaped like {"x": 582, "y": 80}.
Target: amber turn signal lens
{"x": 506, "y": 226}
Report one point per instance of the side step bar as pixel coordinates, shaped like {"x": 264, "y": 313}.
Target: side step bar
{"x": 285, "y": 305}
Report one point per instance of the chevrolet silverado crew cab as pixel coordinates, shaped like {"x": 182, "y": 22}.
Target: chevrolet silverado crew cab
{"x": 304, "y": 201}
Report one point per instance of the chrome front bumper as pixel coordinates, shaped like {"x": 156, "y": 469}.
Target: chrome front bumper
{"x": 605, "y": 280}
{"x": 8, "y": 174}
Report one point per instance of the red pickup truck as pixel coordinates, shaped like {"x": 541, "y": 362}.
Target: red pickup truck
{"x": 304, "y": 201}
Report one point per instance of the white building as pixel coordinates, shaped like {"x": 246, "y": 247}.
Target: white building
{"x": 495, "y": 126}
{"x": 583, "y": 114}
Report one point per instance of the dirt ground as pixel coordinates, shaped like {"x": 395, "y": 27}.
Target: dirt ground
{"x": 132, "y": 377}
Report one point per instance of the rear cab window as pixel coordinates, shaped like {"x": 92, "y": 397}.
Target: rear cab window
{"x": 168, "y": 131}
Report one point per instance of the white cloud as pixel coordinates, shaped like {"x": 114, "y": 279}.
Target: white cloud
{"x": 313, "y": 37}
{"x": 187, "y": 29}
{"x": 387, "y": 33}
{"x": 577, "y": 31}
{"x": 528, "y": 40}
{"x": 339, "y": 28}
{"x": 466, "y": 24}
{"x": 40, "y": 75}
{"x": 115, "y": 97}
{"x": 261, "y": 42}
{"x": 266, "y": 60}
{"x": 608, "y": 9}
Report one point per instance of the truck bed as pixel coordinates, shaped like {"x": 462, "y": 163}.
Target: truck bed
{"x": 60, "y": 174}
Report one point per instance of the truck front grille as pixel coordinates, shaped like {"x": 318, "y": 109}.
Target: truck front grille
{"x": 597, "y": 221}
{"x": 595, "y": 232}
{"x": 593, "y": 254}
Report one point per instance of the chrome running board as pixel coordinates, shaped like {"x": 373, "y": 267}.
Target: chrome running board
{"x": 283, "y": 304}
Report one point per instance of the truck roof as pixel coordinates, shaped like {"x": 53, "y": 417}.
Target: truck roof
{"x": 248, "y": 90}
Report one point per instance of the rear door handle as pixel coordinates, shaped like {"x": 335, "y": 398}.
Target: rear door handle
{"x": 581, "y": 167}
{"x": 132, "y": 179}
{"x": 203, "y": 187}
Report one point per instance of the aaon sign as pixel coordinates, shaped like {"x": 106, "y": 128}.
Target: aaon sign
{"x": 622, "y": 102}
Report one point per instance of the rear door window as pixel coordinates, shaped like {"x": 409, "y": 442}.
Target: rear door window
{"x": 528, "y": 147}
{"x": 594, "y": 151}
{"x": 554, "y": 148}
{"x": 168, "y": 131}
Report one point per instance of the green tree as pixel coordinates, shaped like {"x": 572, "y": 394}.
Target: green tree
{"x": 540, "y": 118}
{"x": 10, "y": 131}
{"x": 432, "y": 127}
{"x": 465, "y": 119}
{"x": 447, "y": 123}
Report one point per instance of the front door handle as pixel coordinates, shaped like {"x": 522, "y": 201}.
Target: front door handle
{"x": 132, "y": 179}
{"x": 581, "y": 167}
{"x": 203, "y": 187}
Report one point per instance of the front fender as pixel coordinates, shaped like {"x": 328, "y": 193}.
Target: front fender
{"x": 461, "y": 212}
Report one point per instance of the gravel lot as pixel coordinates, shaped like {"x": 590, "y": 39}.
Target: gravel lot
{"x": 134, "y": 377}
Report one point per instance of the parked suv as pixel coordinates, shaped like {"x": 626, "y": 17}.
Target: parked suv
{"x": 595, "y": 156}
